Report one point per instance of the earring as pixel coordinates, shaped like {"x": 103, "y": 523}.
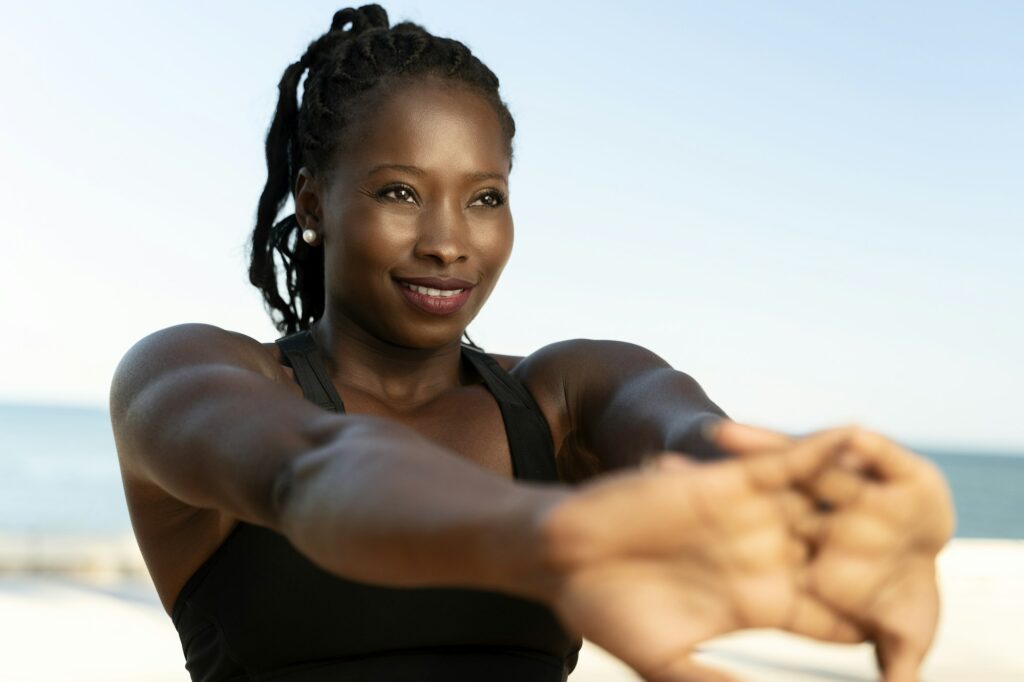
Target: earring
{"x": 310, "y": 236}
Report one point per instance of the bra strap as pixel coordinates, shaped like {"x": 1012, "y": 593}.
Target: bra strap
{"x": 529, "y": 436}
{"x": 310, "y": 373}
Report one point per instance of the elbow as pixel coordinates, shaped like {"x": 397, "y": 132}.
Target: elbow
{"x": 292, "y": 484}
{"x": 292, "y": 507}
{"x": 305, "y": 488}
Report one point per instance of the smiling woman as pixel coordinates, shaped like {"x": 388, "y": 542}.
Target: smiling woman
{"x": 368, "y": 498}
{"x": 407, "y": 233}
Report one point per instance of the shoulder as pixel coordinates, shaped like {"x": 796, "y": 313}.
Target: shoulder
{"x": 554, "y": 365}
{"x": 558, "y": 374}
{"x": 200, "y": 340}
{"x": 190, "y": 345}
{"x": 583, "y": 358}
{"x": 572, "y": 379}
{"x": 574, "y": 353}
{"x": 570, "y": 371}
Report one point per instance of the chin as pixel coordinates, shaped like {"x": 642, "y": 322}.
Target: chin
{"x": 426, "y": 336}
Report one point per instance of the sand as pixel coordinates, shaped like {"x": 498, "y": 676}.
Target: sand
{"x": 67, "y": 616}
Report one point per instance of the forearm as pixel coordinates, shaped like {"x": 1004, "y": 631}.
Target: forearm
{"x": 378, "y": 506}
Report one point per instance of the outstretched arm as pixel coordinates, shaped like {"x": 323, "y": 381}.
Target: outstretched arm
{"x": 209, "y": 419}
{"x": 204, "y": 419}
{"x": 613, "y": 404}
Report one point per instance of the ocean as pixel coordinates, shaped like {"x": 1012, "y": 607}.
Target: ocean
{"x": 59, "y": 476}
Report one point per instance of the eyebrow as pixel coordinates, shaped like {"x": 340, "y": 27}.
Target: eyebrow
{"x": 412, "y": 170}
{"x": 479, "y": 177}
{"x": 416, "y": 170}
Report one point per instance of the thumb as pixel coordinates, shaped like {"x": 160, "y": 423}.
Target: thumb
{"x": 686, "y": 670}
{"x": 898, "y": 660}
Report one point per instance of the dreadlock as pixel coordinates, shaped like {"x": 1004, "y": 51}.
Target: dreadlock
{"x": 360, "y": 54}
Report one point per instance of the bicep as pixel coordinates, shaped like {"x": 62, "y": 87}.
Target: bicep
{"x": 204, "y": 415}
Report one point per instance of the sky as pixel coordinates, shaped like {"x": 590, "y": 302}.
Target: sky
{"x": 814, "y": 209}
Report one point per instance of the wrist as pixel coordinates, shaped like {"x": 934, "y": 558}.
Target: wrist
{"x": 537, "y": 550}
{"x": 691, "y": 435}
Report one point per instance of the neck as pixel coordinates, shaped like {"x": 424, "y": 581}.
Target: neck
{"x": 398, "y": 376}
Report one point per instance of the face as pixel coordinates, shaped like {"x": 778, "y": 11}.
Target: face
{"x": 414, "y": 216}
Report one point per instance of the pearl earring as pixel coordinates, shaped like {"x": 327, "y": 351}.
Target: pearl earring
{"x": 309, "y": 236}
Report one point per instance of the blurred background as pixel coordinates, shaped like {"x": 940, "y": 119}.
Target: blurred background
{"x": 815, "y": 209}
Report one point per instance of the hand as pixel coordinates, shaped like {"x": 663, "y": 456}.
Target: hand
{"x": 659, "y": 560}
{"x": 889, "y": 512}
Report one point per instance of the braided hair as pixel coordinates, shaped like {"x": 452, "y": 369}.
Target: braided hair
{"x": 358, "y": 58}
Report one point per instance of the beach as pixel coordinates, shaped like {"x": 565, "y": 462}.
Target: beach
{"x": 83, "y": 610}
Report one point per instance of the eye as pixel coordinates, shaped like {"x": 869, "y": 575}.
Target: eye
{"x": 491, "y": 198}
{"x": 399, "y": 193}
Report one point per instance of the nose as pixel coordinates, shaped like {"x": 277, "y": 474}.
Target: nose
{"x": 442, "y": 236}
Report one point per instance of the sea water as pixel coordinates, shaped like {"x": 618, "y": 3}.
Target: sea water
{"x": 59, "y": 475}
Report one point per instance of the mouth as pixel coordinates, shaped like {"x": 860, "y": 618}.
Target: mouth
{"x": 427, "y": 291}
{"x": 435, "y": 296}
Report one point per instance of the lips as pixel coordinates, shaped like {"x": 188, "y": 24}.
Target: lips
{"x": 435, "y": 295}
{"x": 445, "y": 284}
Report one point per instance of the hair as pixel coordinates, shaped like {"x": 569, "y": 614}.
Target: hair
{"x": 347, "y": 69}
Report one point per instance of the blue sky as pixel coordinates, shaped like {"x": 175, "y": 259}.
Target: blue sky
{"x": 813, "y": 208}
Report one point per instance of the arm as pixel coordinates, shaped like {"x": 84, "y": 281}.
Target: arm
{"x": 872, "y": 545}
{"x": 209, "y": 418}
{"x": 611, "y": 404}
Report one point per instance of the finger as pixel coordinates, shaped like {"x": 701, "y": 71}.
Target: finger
{"x": 744, "y": 439}
{"x": 805, "y": 520}
{"x": 798, "y": 554}
{"x": 884, "y": 457}
{"x": 812, "y": 618}
{"x": 668, "y": 462}
{"x": 800, "y": 462}
{"x": 898, "y": 660}
{"x": 838, "y": 487}
{"x": 685, "y": 669}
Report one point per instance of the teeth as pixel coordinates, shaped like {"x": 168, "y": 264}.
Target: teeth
{"x": 443, "y": 293}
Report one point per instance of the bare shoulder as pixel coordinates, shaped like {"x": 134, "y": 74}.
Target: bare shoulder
{"x": 564, "y": 377}
{"x": 578, "y": 359}
{"x": 184, "y": 345}
{"x": 179, "y": 356}
{"x": 550, "y": 369}
{"x": 196, "y": 451}
{"x": 201, "y": 342}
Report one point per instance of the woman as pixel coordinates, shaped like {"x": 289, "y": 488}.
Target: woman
{"x": 370, "y": 499}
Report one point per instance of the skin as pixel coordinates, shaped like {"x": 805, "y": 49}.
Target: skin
{"x": 645, "y": 561}
{"x": 890, "y": 513}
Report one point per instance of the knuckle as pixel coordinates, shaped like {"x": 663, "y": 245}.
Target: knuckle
{"x": 863, "y": 436}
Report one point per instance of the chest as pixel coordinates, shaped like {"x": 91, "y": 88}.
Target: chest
{"x": 466, "y": 420}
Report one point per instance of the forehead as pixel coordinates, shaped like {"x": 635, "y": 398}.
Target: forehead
{"x": 432, "y": 124}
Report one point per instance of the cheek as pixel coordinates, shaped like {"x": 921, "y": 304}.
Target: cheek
{"x": 495, "y": 244}
{"x": 364, "y": 240}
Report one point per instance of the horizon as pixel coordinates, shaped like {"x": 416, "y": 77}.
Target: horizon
{"x": 941, "y": 449}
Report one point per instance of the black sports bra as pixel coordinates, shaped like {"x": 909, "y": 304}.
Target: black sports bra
{"x": 258, "y": 610}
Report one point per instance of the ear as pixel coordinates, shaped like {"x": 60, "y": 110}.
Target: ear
{"x": 308, "y": 205}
